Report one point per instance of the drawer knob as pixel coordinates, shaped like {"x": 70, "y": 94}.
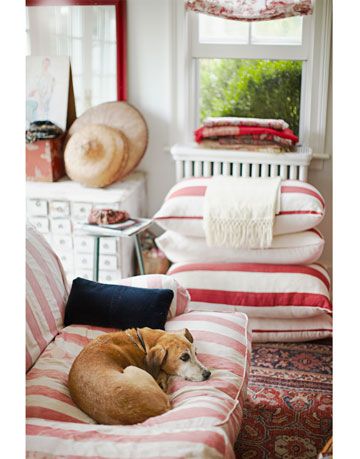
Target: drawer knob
{"x": 82, "y": 209}
{"x": 37, "y": 203}
{"x": 83, "y": 244}
{"x": 83, "y": 261}
{"x": 107, "y": 262}
{"x": 62, "y": 241}
{"x": 61, "y": 226}
{"x": 106, "y": 246}
{"x": 108, "y": 277}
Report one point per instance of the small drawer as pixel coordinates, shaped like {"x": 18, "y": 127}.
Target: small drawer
{"x": 63, "y": 242}
{"x": 108, "y": 262}
{"x": 84, "y": 261}
{"x": 109, "y": 277}
{"x": 67, "y": 260}
{"x": 37, "y": 207}
{"x": 59, "y": 209}
{"x": 40, "y": 223}
{"x": 108, "y": 245}
{"x": 80, "y": 210}
{"x": 84, "y": 273}
{"x": 84, "y": 244}
{"x": 61, "y": 226}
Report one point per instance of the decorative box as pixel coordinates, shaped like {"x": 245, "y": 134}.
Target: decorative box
{"x": 45, "y": 160}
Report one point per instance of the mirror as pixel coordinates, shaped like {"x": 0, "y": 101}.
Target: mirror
{"x": 92, "y": 34}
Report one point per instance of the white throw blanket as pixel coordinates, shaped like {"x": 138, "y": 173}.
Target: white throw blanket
{"x": 239, "y": 212}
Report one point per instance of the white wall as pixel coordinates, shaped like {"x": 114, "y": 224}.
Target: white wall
{"x": 149, "y": 73}
{"x": 149, "y": 76}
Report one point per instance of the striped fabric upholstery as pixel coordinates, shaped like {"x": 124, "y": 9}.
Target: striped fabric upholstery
{"x": 301, "y": 207}
{"x": 205, "y": 419}
{"x": 46, "y": 295}
{"x": 283, "y": 302}
{"x": 181, "y": 295}
{"x": 291, "y": 330}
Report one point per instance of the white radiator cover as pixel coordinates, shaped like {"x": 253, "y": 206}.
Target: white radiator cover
{"x": 194, "y": 161}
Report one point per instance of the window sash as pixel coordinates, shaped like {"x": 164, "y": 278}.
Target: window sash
{"x": 249, "y": 51}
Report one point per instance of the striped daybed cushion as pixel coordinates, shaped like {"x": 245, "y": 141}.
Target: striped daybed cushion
{"x": 46, "y": 295}
{"x": 301, "y": 207}
{"x": 293, "y": 299}
{"x": 205, "y": 419}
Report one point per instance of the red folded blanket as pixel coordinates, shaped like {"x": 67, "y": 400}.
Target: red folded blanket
{"x": 259, "y": 132}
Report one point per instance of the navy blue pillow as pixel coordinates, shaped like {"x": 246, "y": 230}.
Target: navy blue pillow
{"x": 116, "y": 306}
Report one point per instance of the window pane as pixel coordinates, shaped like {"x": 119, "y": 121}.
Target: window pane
{"x": 279, "y": 32}
{"x": 88, "y": 35}
{"x": 218, "y": 30}
{"x": 250, "y": 88}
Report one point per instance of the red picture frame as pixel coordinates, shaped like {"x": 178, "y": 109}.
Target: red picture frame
{"x": 121, "y": 44}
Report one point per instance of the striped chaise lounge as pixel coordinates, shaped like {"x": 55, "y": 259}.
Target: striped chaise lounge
{"x": 206, "y": 416}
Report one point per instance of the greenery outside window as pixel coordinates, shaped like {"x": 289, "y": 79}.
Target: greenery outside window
{"x": 255, "y": 88}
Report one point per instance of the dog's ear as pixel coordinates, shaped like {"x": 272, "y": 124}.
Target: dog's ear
{"x": 184, "y": 332}
{"x": 155, "y": 358}
{"x": 188, "y": 335}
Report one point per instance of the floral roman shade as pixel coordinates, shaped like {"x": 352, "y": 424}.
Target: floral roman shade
{"x": 251, "y": 10}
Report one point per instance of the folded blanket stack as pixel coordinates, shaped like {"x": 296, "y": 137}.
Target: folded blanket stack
{"x": 246, "y": 134}
{"x": 282, "y": 289}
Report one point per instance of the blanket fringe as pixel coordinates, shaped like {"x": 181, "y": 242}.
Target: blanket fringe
{"x": 237, "y": 233}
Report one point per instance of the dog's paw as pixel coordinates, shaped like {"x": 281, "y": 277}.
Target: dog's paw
{"x": 163, "y": 380}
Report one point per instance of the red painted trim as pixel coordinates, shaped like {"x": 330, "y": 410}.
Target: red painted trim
{"x": 121, "y": 41}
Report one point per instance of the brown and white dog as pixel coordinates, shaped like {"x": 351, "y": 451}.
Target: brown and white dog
{"x": 120, "y": 378}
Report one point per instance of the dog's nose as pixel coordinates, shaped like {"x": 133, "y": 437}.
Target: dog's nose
{"x": 206, "y": 374}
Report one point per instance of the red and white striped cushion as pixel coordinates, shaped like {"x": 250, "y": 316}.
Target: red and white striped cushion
{"x": 259, "y": 290}
{"x": 296, "y": 248}
{"x": 181, "y": 295}
{"x": 301, "y": 207}
{"x": 302, "y": 329}
{"x": 205, "y": 419}
{"x": 46, "y": 295}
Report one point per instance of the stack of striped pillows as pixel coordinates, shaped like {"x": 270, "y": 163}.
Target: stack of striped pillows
{"x": 285, "y": 293}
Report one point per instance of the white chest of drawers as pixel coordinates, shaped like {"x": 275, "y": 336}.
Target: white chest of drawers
{"x": 58, "y": 209}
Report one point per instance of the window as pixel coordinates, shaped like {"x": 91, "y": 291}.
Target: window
{"x": 250, "y": 69}
{"x": 268, "y": 69}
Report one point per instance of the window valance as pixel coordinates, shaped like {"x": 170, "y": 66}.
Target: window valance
{"x": 251, "y": 10}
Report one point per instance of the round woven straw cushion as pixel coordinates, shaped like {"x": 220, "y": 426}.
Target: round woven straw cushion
{"x": 96, "y": 155}
{"x": 122, "y": 116}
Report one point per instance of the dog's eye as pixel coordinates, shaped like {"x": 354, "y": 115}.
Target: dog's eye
{"x": 185, "y": 357}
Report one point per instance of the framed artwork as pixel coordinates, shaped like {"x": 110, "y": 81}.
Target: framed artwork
{"x": 47, "y": 89}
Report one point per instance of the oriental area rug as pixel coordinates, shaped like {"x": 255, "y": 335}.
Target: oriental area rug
{"x": 288, "y": 412}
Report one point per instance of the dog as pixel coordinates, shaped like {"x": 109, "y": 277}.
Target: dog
{"x": 122, "y": 377}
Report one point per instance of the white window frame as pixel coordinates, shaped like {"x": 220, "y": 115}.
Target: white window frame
{"x": 314, "y": 51}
